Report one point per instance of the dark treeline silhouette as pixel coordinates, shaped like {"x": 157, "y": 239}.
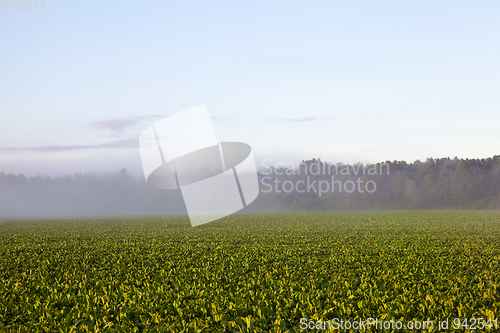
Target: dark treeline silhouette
{"x": 434, "y": 184}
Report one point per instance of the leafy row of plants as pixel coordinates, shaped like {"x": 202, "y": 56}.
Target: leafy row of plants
{"x": 247, "y": 273}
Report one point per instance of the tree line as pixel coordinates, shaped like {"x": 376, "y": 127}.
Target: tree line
{"x": 442, "y": 183}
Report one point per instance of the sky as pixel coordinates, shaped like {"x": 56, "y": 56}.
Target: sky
{"x": 345, "y": 81}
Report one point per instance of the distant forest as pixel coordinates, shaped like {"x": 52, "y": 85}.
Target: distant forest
{"x": 443, "y": 183}
{"x": 433, "y": 184}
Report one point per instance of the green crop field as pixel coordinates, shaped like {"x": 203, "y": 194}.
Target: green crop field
{"x": 250, "y": 273}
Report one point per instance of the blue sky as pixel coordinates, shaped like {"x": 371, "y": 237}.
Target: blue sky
{"x": 345, "y": 81}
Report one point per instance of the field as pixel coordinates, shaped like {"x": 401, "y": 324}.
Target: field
{"x": 249, "y": 273}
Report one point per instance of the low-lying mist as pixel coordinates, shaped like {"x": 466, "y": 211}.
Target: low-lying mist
{"x": 434, "y": 184}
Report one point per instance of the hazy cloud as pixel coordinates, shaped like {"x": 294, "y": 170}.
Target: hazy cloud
{"x": 301, "y": 119}
{"x": 126, "y": 143}
{"x": 115, "y": 125}
{"x": 120, "y": 124}
{"x": 306, "y": 119}
{"x": 215, "y": 118}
